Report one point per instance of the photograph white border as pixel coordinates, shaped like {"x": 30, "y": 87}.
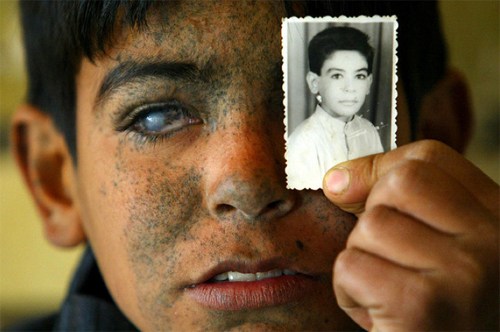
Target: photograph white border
{"x": 340, "y": 20}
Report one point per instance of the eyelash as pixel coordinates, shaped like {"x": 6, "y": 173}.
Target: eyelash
{"x": 128, "y": 123}
{"x": 150, "y": 139}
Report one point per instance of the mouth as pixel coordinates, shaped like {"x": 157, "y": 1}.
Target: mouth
{"x": 348, "y": 102}
{"x": 233, "y": 276}
{"x": 238, "y": 287}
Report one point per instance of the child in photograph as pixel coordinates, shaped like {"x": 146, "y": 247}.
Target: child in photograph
{"x": 340, "y": 64}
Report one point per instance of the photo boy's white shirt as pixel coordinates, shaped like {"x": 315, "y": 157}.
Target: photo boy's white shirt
{"x": 322, "y": 141}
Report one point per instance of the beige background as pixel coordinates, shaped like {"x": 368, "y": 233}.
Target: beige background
{"x": 34, "y": 275}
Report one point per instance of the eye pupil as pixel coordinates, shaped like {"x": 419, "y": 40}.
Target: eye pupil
{"x": 154, "y": 121}
{"x": 161, "y": 119}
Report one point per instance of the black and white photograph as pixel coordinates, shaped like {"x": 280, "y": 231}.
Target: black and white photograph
{"x": 340, "y": 93}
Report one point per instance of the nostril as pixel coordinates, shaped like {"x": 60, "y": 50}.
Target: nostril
{"x": 275, "y": 206}
{"x": 222, "y": 209}
{"x": 250, "y": 201}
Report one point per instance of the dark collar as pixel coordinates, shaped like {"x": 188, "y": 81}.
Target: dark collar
{"x": 89, "y": 306}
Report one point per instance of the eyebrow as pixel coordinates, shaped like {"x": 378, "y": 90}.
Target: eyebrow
{"x": 342, "y": 70}
{"x": 129, "y": 71}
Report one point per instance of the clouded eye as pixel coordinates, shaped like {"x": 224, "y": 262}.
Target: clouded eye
{"x": 162, "y": 118}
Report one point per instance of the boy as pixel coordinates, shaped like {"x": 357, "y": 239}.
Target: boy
{"x": 340, "y": 76}
{"x": 154, "y": 131}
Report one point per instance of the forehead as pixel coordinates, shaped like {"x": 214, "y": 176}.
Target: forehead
{"x": 345, "y": 59}
{"x": 199, "y": 31}
{"x": 232, "y": 48}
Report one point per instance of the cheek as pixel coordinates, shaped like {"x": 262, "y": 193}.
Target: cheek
{"x": 136, "y": 210}
{"x": 329, "y": 85}
{"x": 328, "y": 227}
{"x": 364, "y": 87}
{"x": 160, "y": 218}
{"x": 330, "y": 90}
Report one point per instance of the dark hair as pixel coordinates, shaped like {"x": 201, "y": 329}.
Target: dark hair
{"x": 333, "y": 39}
{"x": 58, "y": 34}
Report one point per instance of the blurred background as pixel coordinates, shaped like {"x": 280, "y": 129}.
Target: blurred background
{"x": 34, "y": 274}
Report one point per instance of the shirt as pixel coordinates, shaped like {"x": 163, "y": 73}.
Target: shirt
{"x": 321, "y": 142}
{"x": 88, "y": 306}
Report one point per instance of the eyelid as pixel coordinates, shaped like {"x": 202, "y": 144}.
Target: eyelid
{"x": 128, "y": 117}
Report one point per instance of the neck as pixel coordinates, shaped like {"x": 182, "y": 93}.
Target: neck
{"x": 337, "y": 116}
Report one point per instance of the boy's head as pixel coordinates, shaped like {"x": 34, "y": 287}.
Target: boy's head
{"x": 340, "y": 63}
{"x": 175, "y": 112}
{"x": 325, "y": 43}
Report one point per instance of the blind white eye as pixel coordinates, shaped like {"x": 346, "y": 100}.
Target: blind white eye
{"x": 163, "y": 118}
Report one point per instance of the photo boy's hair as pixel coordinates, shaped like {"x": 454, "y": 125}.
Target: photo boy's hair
{"x": 58, "y": 34}
{"x": 325, "y": 43}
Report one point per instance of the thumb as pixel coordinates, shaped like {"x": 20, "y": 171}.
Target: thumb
{"x": 348, "y": 184}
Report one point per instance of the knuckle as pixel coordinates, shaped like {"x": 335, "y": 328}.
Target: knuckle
{"x": 424, "y": 298}
{"x": 344, "y": 265}
{"x": 429, "y": 150}
{"x": 426, "y": 291}
{"x": 372, "y": 223}
{"x": 468, "y": 273}
{"x": 396, "y": 183}
{"x": 409, "y": 172}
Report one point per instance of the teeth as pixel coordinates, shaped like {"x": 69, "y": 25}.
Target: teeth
{"x": 270, "y": 274}
{"x": 220, "y": 277}
{"x": 237, "y": 276}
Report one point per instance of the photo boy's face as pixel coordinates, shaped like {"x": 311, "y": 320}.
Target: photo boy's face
{"x": 344, "y": 83}
{"x": 180, "y": 176}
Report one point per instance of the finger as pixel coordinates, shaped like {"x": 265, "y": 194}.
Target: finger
{"x": 399, "y": 238}
{"x": 375, "y": 292}
{"x": 429, "y": 194}
{"x": 348, "y": 184}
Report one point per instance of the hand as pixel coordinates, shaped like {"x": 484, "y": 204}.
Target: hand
{"x": 424, "y": 254}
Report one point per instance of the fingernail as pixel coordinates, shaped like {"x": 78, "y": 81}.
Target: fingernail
{"x": 337, "y": 180}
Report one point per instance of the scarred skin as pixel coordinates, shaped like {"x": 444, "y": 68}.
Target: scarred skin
{"x": 159, "y": 213}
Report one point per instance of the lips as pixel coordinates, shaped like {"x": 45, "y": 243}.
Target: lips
{"x": 348, "y": 102}
{"x": 231, "y": 287}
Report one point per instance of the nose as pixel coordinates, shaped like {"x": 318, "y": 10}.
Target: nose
{"x": 348, "y": 85}
{"x": 260, "y": 200}
{"x": 247, "y": 179}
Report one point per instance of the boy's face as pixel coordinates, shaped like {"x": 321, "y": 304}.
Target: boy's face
{"x": 344, "y": 83}
{"x": 180, "y": 175}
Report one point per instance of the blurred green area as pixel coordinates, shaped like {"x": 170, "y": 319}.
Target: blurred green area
{"x": 12, "y": 73}
{"x": 34, "y": 275}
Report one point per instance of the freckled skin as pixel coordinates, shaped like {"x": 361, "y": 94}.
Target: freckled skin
{"x": 159, "y": 215}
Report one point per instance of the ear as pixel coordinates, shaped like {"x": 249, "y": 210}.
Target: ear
{"x": 446, "y": 113}
{"x": 47, "y": 167}
{"x": 369, "y": 85}
{"x": 312, "y": 81}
